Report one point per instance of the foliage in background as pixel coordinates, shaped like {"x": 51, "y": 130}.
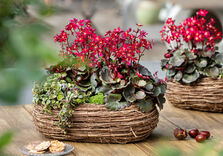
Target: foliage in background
{"x": 192, "y": 54}
{"x": 5, "y": 139}
{"x": 206, "y": 149}
{"x": 22, "y": 48}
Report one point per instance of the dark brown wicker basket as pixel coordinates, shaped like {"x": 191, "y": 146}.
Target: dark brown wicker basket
{"x": 207, "y": 95}
{"x": 96, "y": 123}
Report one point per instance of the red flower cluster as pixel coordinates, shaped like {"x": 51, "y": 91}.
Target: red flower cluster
{"x": 118, "y": 47}
{"x": 195, "y": 31}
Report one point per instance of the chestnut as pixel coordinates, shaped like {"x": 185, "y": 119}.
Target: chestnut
{"x": 200, "y": 138}
{"x": 180, "y": 133}
{"x": 206, "y": 133}
{"x": 193, "y": 133}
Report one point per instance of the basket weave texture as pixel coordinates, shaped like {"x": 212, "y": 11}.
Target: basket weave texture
{"x": 96, "y": 123}
{"x": 206, "y": 95}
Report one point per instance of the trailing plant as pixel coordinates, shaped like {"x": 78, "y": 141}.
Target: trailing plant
{"x": 192, "y": 52}
{"x": 100, "y": 70}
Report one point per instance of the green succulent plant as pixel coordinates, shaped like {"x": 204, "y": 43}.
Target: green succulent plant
{"x": 122, "y": 92}
{"x": 187, "y": 67}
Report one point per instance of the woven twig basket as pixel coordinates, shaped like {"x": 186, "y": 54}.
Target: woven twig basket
{"x": 206, "y": 95}
{"x": 96, "y": 123}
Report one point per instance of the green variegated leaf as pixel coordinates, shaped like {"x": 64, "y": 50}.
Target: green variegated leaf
{"x": 206, "y": 53}
{"x": 188, "y": 78}
{"x": 160, "y": 101}
{"x": 178, "y": 76}
{"x": 219, "y": 58}
{"x": 157, "y": 91}
{"x": 116, "y": 105}
{"x": 140, "y": 95}
{"x": 145, "y": 105}
{"x": 213, "y": 72}
{"x": 141, "y": 83}
{"x": 190, "y": 55}
{"x": 112, "y": 98}
{"x": 177, "y": 60}
{"x": 93, "y": 81}
{"x": 190, "y": 69}
{"x": 105, "y": 89}
{"x": 106, "y": 76}
{"x": 201, "y": 63}
{"x": 149, "y": 86}
{"x": 170, "y": 72}
{"x": 178, "y": 53}
{"x": 129, "y": 92}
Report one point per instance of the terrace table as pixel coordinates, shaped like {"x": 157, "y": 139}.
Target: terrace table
{"x": 19, "y": 119}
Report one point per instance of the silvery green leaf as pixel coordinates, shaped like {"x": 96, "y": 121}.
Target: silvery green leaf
{"x": 129, "y": 92}
{"x": 189, "y": 78}
{"x": 93, "y": 81}
{"x": 116, "y": 105}
{"x": 219, "y": 58}
{"x": 201, "y": 63}
{"x": 141, "y": 83}
{"x": 213, "y": 72}
{"x": 160, "y": 101}
{"x": 178, "y": 53}
{"x": 178, "y": 76}
{"x": 106, "y": 76}
{"x": 105, "y": 89}
{"x": 177, "y": 60}
{"x": 190, "y": 69}
{"x": 157, "y": 91}
{"x": 206, "y": 53}
{"x": 112, "y": 98}
{"x": 190, "y": 55}
{"x": 145, "y": 105}
{"x": 149, "y": 86}
{"x": 140, "y": 95}
{"x": 170, "y": 72}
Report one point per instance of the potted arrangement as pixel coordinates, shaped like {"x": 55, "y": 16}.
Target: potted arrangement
{"x": 193, "y": 65}
{"x": 98, "y": 92}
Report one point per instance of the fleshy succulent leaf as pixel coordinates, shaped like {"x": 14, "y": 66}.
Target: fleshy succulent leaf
{"x": 145, "y": 105}
{"x": 189, "y": 78}
{"x": 106, "y": 76}
{"x": 157, "y": 91}
{"x": 201, "y": 63}
{"x": 141, "y": 83}
{"x": 149, "y": 86}
{"x": 140, "y": 95}
{"x": 112, "y": 98}
{"x": 177, "y": 60}
{"x": 160, "y": 101}
{"x": 116, "y": 105}
{"x": 129, "y": 92}
{"x": 190, "y": 55}
{"x": 213, "y": 72}
{"x": 219, "y": 58}
{"x": 178, "y": 76}
{"x": 190, "y": 69}
{"x": 93, "y": 81}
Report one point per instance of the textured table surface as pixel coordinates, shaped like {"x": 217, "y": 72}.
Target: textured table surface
{"x": 19, "y": 119}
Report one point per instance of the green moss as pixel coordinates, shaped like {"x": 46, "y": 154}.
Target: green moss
{"x": 97, "y": 99}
